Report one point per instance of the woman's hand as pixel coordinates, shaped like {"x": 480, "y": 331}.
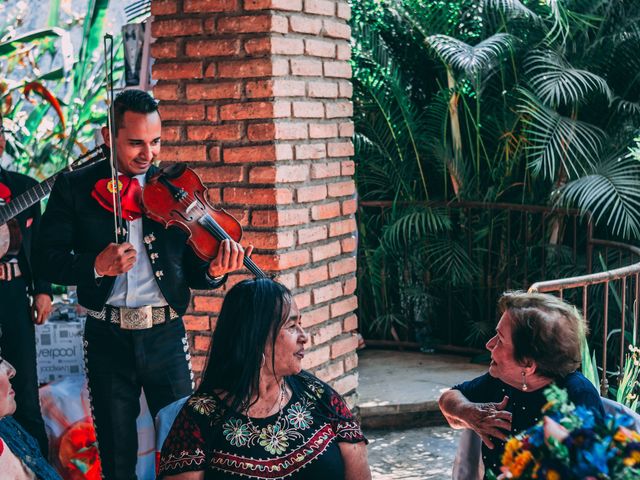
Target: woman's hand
{"x": 489, "y": 420}
{"x": 486, "y": 419}
{"x": 356, "y": 464}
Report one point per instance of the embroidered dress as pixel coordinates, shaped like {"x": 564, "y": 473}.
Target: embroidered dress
{"x": 300, "y": 442}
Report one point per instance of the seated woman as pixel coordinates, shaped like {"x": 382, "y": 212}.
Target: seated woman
{"x": 20, "y": 457}
{"x": 256, "y": 413}
{"x": 537, "y": 342}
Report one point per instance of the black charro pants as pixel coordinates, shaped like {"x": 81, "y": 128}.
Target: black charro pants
{"x": 18, "y": 347}
{"x": 119, "y": 364}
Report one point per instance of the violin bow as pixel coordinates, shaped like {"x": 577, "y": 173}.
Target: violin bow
{"x": 118, "y": 222}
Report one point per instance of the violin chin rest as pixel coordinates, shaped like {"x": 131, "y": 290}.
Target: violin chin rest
{"x": 173, "y": 171}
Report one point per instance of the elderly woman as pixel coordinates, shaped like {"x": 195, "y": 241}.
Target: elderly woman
{"x": 537, "y": 342}
{"x": 20, "y": 457}
{"x": 256, "y": 413}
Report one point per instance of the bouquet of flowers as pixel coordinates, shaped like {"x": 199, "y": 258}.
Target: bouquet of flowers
{"x": 571, "y": 443}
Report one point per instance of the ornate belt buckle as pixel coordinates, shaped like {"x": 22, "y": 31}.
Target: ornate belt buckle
{"x": 136, "y": 318}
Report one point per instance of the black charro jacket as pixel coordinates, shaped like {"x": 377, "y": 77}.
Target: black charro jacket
{"x": 75, "y": 229}
{"x": 29, "y": 222}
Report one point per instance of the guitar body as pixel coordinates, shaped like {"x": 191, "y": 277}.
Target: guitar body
{"x": 10, "y": 238}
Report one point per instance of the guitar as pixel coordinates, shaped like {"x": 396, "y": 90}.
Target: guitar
{"x": 10, "y": 234}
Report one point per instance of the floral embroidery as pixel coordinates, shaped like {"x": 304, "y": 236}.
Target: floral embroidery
{"x": 203, "y": 405}
{"x": 273, "y": 439}
{"x": 299, "y": 416}
{"x": 236, "y": 433}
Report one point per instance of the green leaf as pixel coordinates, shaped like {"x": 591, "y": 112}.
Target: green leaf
{"x": 44, "y": 34}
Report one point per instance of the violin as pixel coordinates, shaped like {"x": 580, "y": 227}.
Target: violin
{"x": 176, "y": 196}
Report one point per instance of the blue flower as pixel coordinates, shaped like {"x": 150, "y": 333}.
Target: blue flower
{"x": 593, "y": 461}
{"x": 586, "y": 415}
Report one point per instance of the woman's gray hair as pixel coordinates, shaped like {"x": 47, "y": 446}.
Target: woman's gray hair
{"x": 545, "y": 329}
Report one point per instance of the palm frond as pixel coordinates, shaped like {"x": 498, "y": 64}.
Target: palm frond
{"x": 475, "y": 60}
{"x": 610, "y": 193}
{"x": 448, "y": 260}
{"x": 413, "y": 225}
{"x": 556, "y": 82}
{"x": 555, "y": 140}
{"x": 511, "y": 9}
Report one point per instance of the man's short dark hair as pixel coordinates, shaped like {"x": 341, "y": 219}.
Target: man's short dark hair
{"x": 132, "y": 100}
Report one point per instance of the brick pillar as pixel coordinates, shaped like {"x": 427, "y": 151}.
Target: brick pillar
{"x": 255, "y": 95}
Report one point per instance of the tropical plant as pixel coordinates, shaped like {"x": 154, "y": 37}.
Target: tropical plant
{"x": 71, "y": 86}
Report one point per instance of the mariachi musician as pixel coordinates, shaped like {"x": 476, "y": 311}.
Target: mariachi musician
{"x": 135, "y": 291}
{"x": 17, "y": 318}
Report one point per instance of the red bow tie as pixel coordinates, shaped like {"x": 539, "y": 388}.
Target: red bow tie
{"x": 130, "y": 195}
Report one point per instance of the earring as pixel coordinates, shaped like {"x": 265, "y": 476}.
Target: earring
{"x": 524, "y": 382}
{"x": 264, "y": 360}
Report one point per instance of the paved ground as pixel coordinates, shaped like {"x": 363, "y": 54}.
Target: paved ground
{"x": 414, "y": 454}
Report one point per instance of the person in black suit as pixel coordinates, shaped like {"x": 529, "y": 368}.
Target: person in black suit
{"x": 136, "y": 291}
{"x": 25, "y": 299}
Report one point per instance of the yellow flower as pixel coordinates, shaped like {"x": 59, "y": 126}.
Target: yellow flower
{"x": 553, "y": 475}
{"x": 520, "y": 464}
{"x": 633, "y": 459}
{"x": 510, "y": 451}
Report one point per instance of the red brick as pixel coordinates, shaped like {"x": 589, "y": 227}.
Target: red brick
{"x": 346, "y": 344}
{"x": 279, "y": 173}
{"x": 323, "y": 212}
{"x": 212, "y": 113}
{"x": 346, "y": 129}
{"x": 249, "y": 154}
{"x": 343, "y": 51}
{"x": 219, "y": 133}
{"x": 342, "y": 188}
{"x": 344, "y": 10}
{"x": 344, "y": 306}
{"x": 311, "y": 193}
{"x": 350, "y": 285}
{"x": 320, "y": 48}
{"x": 343, "y": 227}
{"x": 184, "y": 153}
{"x": 258, "y": 46}
{"x": 305, "y": 25}
{"x": 176, "y": 71}
{"x": 346, "y": 384}
{"x": 207, "y": 304}
{"x": 323, "y": 130}
{"x": 320, "y": 7}
{"x": 310, "y": 150}
{"x": 339, "y": 109}
{"x": 213, "y": 91}
{"x": 176, "y": 28}
{"x": 315, "y": 357}
{"x": 340, "y": 149}
{"x": 329, "y": 372}
{"x": 308, "y": 109}
{"x": 214, "y": 153}
{"x": 323, "y": 90}
{"x": 290, "y": 5}
{"x": 257, "y": 196}
{"x": 325, "y": 170}
{"x": 313, "y": 275}
{"x": 336, "y": 29}
{"x": 256, "y": 67}
{"x": 326, "y": 332}
{"x": 164, "y": 7}
{"x": 325, "y": 251}
{"x": 348, "y": 167}
{"x": 348, "y": 244}
{"x": 287, "y": 279}
{"x": 246, "y": 110}
{"x": 274, "y": 45}
{"x": 346, "y": 89}
{"x": 342, "y": 267}
{"x": 306, "y": 67}
{"x": 201, "y": 343}
{"x": 282, "y": 261}
{"x": 182, "y": 112}
{"x": 279, "y": 218}
{"x": 212, "y": 48}
{"x": 349, "y": 324}
{"x": 269, "y": 240}
{"x": 205, "y": 6}
{"x": 171, "y": 133}
{"x": 160, "y": 50}
{"x": 349, "y": 206}
{"x": 326, "y": 293}
{"x": 198, "y": 362}
{"x": 244, "y": 24}
{"x": 302, "y": 299}
{"x": 196, "y": 322}
{"x": 314, "y": 317}
{"x": 221, "y": 174}
{"x": 166, "y": 91}
{"x": 312, "y": 234}
{"x": 275, "y": 88}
